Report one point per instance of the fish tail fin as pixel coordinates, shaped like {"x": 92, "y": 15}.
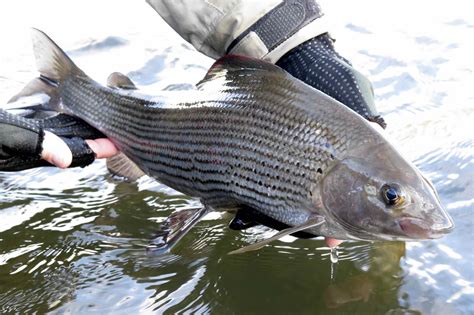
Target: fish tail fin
{"x": 52, "y": 62}
{"x": 54, "y": 65}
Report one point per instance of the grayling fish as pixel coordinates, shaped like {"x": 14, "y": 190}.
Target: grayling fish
{"x": 253, "y": 138}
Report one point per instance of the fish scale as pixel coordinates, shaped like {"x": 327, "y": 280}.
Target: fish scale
{"x": 253, "y": 137}
{"x": 213, "y": 147}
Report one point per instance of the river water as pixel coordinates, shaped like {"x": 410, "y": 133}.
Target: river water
{"x": 72, "y": 241}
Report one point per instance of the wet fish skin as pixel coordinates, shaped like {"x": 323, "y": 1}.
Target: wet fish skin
{"x": 253, "y": 135}
{"x": 71, "y": 129}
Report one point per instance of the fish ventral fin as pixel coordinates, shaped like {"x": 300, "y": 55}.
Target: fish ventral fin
{"x": 174, "y": 228}
{"x": 312, "y": 222}
{"x": 52, "y": 62}
{"x": 233, "y": 66}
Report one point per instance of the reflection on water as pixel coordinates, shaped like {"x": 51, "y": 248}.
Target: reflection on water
{"x": 74, "y": 241}
{"x": 89, "y": 256}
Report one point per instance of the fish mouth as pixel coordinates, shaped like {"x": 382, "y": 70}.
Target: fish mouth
{"x": 415, "y": 228}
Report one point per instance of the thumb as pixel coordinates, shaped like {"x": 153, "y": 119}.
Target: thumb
{"x": 55, "y": 151}
{"x": 332, "y": 242}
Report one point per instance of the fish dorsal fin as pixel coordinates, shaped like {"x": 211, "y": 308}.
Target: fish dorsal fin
{"x": 122, "y": 166}
{"x": 230, "y": 67}
{"x": 311, "y": 222}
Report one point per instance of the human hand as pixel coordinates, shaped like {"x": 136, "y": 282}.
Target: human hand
{"x": 103, "y": 148}
{"x": 34, "y": 140}
{"x": 332, "y": 242}
{"x": 25, "y": 143}
{"x": 317, "y": 63}
{"x": 56, "y": 152}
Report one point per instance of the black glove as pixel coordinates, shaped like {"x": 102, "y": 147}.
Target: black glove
{"x": 19, "y": 136}
{"x": 21, "y": 140}
{"x": 316, "y": 63}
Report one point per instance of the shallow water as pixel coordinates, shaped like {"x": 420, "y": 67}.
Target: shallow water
{"x": 73, "y": 241}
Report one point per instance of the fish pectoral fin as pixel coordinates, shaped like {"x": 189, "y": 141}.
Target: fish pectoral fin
{"x": 312, "y": 222}
{"x": 121, "y": 165}
{"x": 175, "y": 227}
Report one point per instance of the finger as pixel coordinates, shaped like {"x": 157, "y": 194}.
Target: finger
{"x": 332, "y": 242}
{"x": 55, "y": 151}
{"x": 103, "y": 148}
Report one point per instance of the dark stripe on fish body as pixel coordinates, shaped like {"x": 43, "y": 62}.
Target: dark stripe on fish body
{"x": 228, "y": 146}
{"x": 271, "y": 143}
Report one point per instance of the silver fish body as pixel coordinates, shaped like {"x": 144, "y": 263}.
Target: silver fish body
{"x": 251, "y": 135}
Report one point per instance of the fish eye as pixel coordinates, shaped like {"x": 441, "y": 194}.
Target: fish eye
{"x": 392, "y": 194}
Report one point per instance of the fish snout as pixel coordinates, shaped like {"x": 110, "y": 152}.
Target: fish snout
{"x": 416, "y": 228}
